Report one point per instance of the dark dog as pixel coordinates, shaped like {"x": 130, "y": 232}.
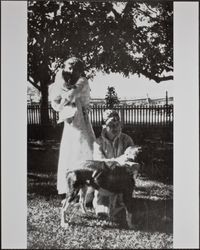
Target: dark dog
{"x": 108, "y": 180}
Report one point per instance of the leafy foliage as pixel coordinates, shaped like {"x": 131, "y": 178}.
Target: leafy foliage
{"x": 125, "y": 37}
{"x": 138, "y": 38}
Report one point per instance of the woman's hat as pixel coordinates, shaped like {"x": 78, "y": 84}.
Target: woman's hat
{"x": 110, "y": 115}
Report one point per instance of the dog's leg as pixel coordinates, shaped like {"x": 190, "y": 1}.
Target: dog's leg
{"x": 116, "y": 210}
{"x": 129, "y": 220}
{"x": 65, "y": 205}
{"x": 82, "y": 201}
{"x": 112, "y": 205}
{"x": 113, "y": 210}
{"x": 95, "y": 201}
{"x": 127, "y": 197}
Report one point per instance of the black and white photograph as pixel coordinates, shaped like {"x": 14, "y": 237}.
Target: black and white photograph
{"x": 100, "y": 124}
{"x": 100, "y": 109}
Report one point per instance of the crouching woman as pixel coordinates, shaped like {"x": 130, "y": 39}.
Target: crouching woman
{"x": 110, "y": 145}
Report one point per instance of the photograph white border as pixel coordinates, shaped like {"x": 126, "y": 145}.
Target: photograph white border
{"x": 186, "y": 125}
{"x": 14, "y": 124}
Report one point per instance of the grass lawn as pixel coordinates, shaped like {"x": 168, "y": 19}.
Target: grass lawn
{"x": 152, "y": 212}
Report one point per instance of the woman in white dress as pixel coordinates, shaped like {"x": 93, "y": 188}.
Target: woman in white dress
{"x": 78, "y": 135}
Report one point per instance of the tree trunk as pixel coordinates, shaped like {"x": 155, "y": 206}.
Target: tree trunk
{"x": 44, "y": 104}
{"x": 44, "y": 81}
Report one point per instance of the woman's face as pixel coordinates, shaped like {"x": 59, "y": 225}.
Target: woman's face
{"x": 113, "y": 127}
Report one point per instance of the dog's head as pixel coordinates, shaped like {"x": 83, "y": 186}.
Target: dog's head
{"x": 131, "y": 152}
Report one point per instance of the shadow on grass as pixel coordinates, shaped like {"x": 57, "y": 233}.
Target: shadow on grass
{"x": 42, "y": 168}
{"x": 42, "y": 160}
{"x": 42, "y": 184}
{"x": 153, "y": 215}
{"x": 148, "y": 215}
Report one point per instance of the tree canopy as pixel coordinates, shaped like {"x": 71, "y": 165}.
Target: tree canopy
{"x": 120, "y": 37}
{"x": 133, "y": 38}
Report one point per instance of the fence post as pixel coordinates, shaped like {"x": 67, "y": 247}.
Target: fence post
{"x": 122, "y": 115}
{"x": 54, "y": 118}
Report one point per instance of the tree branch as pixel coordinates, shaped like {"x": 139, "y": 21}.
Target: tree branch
{"x": 161, "y": 79}
{"x": 127, "y": 8}
{"x": 150, "y": 8}
{"x": 147, "y": 15}
{"x": 34, "y": 84}
{"x": 117, "y": 15}
{"x": 154, "y": 77}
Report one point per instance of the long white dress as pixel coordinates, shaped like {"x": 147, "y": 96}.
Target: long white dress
{"x": 78, "y": 136}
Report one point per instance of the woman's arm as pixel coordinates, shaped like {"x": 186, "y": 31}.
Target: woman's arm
{"x": 56, "y": 92}
{"x": 98, "y": 153}
{"x": 56, "y": 98}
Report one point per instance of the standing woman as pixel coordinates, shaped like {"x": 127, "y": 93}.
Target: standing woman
{"x": 78, "y": 135}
